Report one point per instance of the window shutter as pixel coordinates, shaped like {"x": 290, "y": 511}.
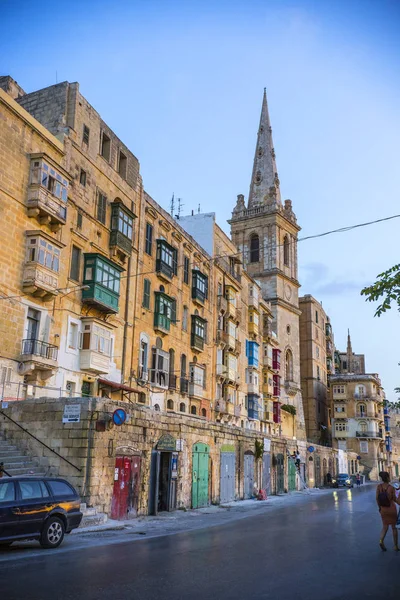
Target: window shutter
{"x": 206, "y": 288}
{"x": 101, "y": 208}
{"x": 146, "y": 293}
{"x": 175, "y": 261}
{"x": 173, "y": 312}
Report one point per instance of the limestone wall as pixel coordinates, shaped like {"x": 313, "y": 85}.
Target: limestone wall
{"x": 94, "y": 451}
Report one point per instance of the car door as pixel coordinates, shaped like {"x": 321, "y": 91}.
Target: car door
{"x": 34, "y": 505}
{"x": 9, "y": 520}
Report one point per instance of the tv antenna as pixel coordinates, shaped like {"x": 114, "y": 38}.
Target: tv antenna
{"x": 180, "y": 206}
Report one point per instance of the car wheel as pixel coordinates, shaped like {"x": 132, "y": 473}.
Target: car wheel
{"x": 53, "y": 533}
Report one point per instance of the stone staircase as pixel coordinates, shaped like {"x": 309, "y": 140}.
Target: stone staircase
{"x": 91, "y": 517}
{"x": 16, "y": 462}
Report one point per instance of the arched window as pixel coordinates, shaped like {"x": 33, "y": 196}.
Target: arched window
{"x": 254, "y": 248}
{"x": 193, "y": 410}
{"x": 170, "y": 404}
{"x": 203, "y": 412}
{"x": 182, "y": 407}
{"x": 289, "y": 366}
{"x": 286, "y": 251}
{"x": 363, "y": 426}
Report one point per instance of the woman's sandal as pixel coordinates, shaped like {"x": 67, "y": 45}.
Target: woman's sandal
{"x": 382, "y": 545}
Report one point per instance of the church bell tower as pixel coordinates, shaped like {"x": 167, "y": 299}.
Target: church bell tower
{"x": 265, "y": 232}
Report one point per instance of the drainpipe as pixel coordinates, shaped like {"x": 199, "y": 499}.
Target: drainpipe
{"x": 89, "y": 454}
{"x": 126, "y": 317}
{"x": 134, "y": 317}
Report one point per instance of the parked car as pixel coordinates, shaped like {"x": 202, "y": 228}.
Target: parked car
{"x": 38, "y": 508}
{"x": 342, "y": 480}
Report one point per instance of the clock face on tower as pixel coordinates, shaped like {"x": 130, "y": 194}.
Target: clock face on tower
{"x": 288, "y": 292}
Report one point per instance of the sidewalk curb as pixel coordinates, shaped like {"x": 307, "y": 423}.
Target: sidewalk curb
{"x": 99, "y": 528}
{"x": 239, "y": 507}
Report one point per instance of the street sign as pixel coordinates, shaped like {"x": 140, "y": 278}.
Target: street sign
{"x": 267, "y": 445}
{"x": 72, "y": 413}
{"x": 310, "y": 448}
{"x": 119, "y": 416}
{"x": 358, "y": 457}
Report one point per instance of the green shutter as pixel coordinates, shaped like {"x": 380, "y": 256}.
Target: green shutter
{"x": 146, "y": 293}
{"x": 173, "y": 312}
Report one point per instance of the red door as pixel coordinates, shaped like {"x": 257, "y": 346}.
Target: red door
{"x": 125, "y": 498}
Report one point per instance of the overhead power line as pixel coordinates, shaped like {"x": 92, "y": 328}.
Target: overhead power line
{"x": 264, "y": 247}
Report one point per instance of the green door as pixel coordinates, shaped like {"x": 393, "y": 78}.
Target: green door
{"x": 397, "y": 469}
{"x": 291, "y": 475}
{"x": 200, "y": 458}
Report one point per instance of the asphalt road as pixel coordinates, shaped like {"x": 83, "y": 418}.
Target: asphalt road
{"x": 326, "y": 548}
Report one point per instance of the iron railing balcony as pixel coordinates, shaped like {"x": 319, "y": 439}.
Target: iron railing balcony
{"x": 172, "y": 382}
{"x": 369, "y": 434}
{"x": 32, "y": 347}
{"x": 184, "y": 385}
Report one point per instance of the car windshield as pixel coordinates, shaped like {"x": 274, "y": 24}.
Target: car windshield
{"x": 343, "y": 476}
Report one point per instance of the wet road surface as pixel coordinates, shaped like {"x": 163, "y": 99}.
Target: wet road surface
{"x": 325, "y": 548}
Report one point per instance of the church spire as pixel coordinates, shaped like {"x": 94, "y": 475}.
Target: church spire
{"x": 349, "y": 348}
{"x": 264, "y": 186}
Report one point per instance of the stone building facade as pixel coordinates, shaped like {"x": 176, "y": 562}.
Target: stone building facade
{"x": 110, "y": 303}
{"x": 316, "y": 351}
{"x": 265, "y": 232}
{"x": 167, "y": 461}
{"x": 358, "y": 419}
{"x": 70, "y": 202}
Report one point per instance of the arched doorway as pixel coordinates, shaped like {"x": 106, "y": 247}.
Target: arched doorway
{"x": 330, "y": 467}
{"x": 279, "y": 473}
{"x": 291, "y": 475}
{"x": 248, "y": 474}
{"x": 163, "y": 475}
{"x": 200, "y": 460}
{"x": 228, "y": 471}
{"x": 317, "y": 468}
{"x": 125, "y": 499}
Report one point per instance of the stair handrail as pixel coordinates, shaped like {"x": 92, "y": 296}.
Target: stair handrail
{"x": 40, "y": 441}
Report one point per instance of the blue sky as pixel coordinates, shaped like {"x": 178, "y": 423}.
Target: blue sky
{"x": 181, "y": 83}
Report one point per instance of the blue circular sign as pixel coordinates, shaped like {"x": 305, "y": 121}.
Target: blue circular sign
{"x": 310, "y": 448}
{"x": 358, "y": 457}
{"x": 119, "y": 416}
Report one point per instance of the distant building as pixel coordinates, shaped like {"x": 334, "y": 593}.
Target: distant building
{"x": 349, "y": 362}
{"x": 358, "y": 419}
{"x": 316, "y": 364}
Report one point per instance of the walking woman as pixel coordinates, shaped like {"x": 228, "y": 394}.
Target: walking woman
{"x": 386, "y": 501}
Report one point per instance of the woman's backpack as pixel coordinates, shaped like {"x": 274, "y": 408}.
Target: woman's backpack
{"x": 383, "y": 498}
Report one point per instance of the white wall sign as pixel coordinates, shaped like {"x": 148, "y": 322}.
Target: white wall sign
{"x": 179, "y": 445}
{"x": 267, "y": 445}
{"x": 72, "y": 413}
